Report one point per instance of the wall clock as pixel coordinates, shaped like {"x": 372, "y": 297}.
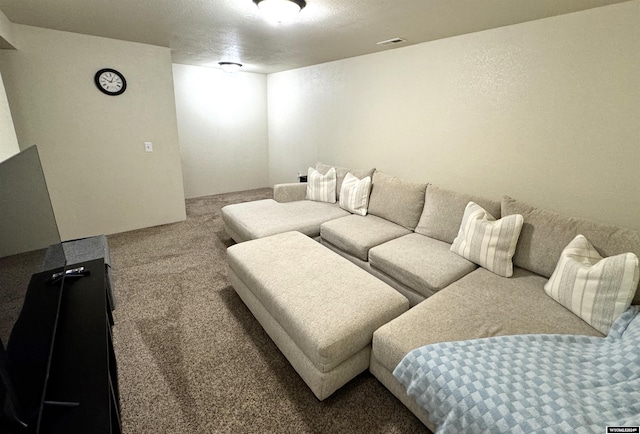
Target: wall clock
{"x": 110, "y": 81}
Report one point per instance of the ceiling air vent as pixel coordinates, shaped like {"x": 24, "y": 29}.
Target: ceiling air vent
{"x": 393, "y": 41}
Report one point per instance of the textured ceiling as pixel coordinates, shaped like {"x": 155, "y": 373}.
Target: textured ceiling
{"x": 204, "y": 32}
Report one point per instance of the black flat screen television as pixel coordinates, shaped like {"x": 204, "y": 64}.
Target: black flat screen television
{"x": 29, "y": 243}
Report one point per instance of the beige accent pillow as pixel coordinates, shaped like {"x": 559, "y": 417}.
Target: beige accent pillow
{"x": 340, "y": 174}
{"x": 321, "y": 188}
{"x": 354, "y": 194}
{"x": 486, "y": 241}
{"x": 596, "y": 289}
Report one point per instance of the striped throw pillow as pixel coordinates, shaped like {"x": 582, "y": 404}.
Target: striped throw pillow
{"x": 596, "y": 289}
{"x": 486, "y": 241}
{"x": 354, "y": 194}
{"x": 321, "y": 188}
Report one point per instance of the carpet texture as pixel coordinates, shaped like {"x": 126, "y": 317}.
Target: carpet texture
{"x": 191, "y": 357}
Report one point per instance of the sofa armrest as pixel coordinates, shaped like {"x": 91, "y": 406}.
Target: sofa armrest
{"x": 290, "y": 192}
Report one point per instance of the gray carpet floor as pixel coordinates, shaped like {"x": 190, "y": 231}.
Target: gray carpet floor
{"x": 191, "y": 356}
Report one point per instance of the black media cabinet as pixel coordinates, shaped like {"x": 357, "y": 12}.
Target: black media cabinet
{"x": 81, "y": 394}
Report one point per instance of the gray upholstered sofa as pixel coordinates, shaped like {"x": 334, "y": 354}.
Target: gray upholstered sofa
{"x": 405, "y": 241}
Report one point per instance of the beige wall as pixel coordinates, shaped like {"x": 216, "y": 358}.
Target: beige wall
{"x": 8, "y": 140}
{"x": 92, "y": 145}
{"x": 545, "y": 111}
{"x": 222, "y": 123}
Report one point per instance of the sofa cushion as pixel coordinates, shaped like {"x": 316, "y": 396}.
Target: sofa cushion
{"x": 321, "y": 188}
{"x": 397, "y": 200}
{"x": 443, "y": 211}
{"x": 596, "y": 289}
{"x": 545, "y": 234}
{"x": 260, "y": 218}
{"x": 422, "y": 264}
{"x": 486, "y": 241}
{"x": 355, "y": 234}
{"x": 481, "y": 304}
{"x": 354, "y": 195}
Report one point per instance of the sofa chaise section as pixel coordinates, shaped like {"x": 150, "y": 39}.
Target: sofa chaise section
{"x": 258, "y": 219}
{"x": 483, "y": 304}
{"x": 289, "y": 210}
{"x": 479, "y": 305}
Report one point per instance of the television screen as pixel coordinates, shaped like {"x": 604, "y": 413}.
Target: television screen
{"x": 29, "y": 244}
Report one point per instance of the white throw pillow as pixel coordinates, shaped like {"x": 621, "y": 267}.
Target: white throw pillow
{"x": 596, "y": 289}
{"x": 321, "y": 188}
{"x": 354, "y": 194}
{"x": 486, "y": 241}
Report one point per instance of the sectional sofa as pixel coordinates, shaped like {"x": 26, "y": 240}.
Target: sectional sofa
{"x": 405, "y": 240}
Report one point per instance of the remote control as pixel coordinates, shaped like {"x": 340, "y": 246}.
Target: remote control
{"x": 72, "y": 272}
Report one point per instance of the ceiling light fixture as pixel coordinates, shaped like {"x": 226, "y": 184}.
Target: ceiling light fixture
{"x": 392, "y": 41}
{"x": 280, "y": 11}
{"x": 230, "y": 67}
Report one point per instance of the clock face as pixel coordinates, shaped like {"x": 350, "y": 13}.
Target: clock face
{"x": 110, "y": 81}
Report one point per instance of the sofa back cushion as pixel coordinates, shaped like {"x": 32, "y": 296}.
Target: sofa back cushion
{"x": 362, "y": 173}
{"x": 545, "y": 234}
{"x": 443, "y": 211}
{"x": 397, "y": 200}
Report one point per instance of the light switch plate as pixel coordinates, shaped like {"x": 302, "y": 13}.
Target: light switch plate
{"x": 148, "y": 146}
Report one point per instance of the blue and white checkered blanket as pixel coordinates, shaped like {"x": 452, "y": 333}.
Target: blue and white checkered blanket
{"x": 530, "y": 383}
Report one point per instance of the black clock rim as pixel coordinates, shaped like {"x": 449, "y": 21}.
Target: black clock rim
{"x": 96, "y": 80}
